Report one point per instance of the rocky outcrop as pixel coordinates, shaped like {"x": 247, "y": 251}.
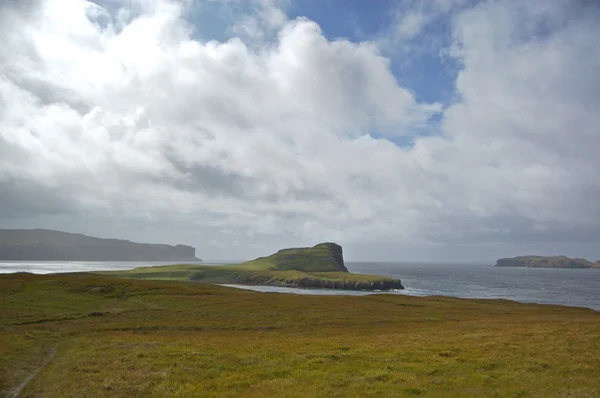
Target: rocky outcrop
{"x": 546, "y": 262}
{"x": 310, "y": 283}
{"x": 337, "y": 258}
{"x": 48, "y": 245}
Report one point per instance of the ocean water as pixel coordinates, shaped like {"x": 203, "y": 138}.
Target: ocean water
{"x": 49, "y": 267}
{"x": 572, "y": 287}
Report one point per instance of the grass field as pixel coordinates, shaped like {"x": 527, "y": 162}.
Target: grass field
{"x": 75, "y": 335}
{"x": 184, "y": 272}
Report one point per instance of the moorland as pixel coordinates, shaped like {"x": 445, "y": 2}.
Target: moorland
{"x": 74, "y": 335}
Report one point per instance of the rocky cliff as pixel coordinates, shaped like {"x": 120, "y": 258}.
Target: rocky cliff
{"x": 48, "y": 245}
{"x": 309, "y": 282}
{"x": 546, "y": 262}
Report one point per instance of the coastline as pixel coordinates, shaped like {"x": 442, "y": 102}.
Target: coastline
{"x": 567, "y": 287}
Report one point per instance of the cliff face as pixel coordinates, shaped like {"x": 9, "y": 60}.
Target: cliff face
{"x": 336, "y": 254}
{"x": 546, "y": 262}
{"x": 47, "y": 245}
{"x": 312, "y": 283}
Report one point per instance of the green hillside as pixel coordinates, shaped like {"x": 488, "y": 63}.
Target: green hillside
{"x": 324, "y": 257}
{"x": 320, "y": 266}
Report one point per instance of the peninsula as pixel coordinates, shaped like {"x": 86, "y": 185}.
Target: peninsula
{"x": 546, "y": 262}
{"x": 321, "y": 266}
{"x": 49, "y": 245}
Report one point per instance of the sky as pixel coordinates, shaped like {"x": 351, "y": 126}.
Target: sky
{"x": 438, "y": 130}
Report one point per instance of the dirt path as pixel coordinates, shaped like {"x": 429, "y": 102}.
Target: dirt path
{"x": 18, "y": 389}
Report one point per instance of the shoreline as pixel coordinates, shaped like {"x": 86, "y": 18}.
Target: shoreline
{"x": 400, "y": 292}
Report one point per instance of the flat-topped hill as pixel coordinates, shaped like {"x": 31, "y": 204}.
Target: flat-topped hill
{"x": 320, "y": 266}
{"x": 49, "y": 245}
{"x": 324, "y": 257}
{"x": 546, "y": 262}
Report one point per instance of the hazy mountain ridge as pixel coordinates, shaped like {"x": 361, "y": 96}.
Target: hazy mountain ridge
{"x": 50, "y": 245}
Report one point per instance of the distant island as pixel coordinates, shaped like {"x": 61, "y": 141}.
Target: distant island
{"x": 49, "y": 245}
{"x": 546, "y": 262}
{"x": 321, "y": 266}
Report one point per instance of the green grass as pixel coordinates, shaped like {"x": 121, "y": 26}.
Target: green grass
{"x": 324, "y": 257}
{"x": 169, "y": 272}
{"x": 107, "y": 336}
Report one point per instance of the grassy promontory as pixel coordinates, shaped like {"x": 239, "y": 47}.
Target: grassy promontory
{"x": 321, "y": 266}
{"x": 83, "y": 335}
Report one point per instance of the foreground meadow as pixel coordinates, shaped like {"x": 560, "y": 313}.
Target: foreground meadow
{"x": 88, "y": 335}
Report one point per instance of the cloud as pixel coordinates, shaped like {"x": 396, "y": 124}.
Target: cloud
{"x": 412, "y": 18}
{"x": 120, "y": 115}
{"x": 527, "y": 101}
{"x": 266, "y": 18}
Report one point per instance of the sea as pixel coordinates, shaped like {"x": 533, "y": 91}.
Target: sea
{"x": 570, "y": 287}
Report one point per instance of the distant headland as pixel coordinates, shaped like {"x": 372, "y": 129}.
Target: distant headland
{"x": 321, "y": 266}
{"x": 546, "y": 262}
{"x": 49, "y": 245}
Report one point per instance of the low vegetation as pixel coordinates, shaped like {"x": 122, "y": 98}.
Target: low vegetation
{"x": 70, "y": 335}
{"x": 324, "y": 257}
